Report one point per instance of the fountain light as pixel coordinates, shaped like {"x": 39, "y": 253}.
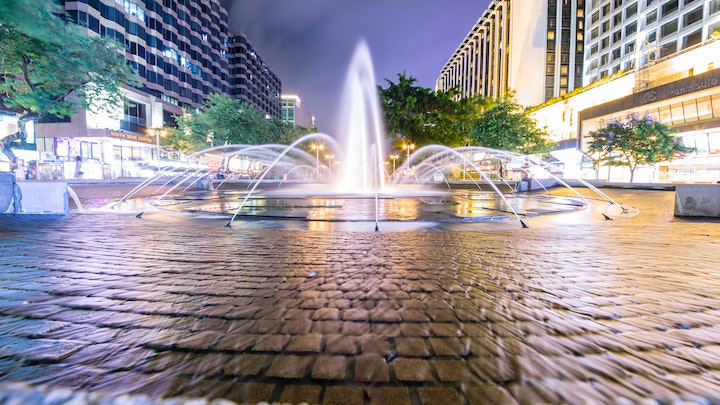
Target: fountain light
{"x": 158, "y": 132}
{"x": 394, "y": 157}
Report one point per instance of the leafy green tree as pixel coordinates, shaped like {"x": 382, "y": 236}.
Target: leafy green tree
{"x": 636, "y": 141}
{"x": 507, "y": 126}
{"x": 422, "y": 116}
{"x": 190, "y": 133}
{"x": 50, "y": 66}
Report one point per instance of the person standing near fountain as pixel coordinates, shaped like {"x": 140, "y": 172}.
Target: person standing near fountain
{"x": 78, "y": 167}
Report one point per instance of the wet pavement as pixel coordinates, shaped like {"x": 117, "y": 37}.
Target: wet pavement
{"x": 567, "y": 311}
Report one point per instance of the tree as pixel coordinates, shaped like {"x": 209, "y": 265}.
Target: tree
{"x": 636, "y": 141}
{"x": 422, "y": 116}
{"x": 50, "y": 66}
{"x": 507, "y": 126}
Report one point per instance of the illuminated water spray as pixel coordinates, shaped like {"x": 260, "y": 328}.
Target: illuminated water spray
{"x": 362, "y": 134}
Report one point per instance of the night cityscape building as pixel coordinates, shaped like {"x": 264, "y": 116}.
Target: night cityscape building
{"x": 505, "y": 48}
{"x": 603, "y": 59}
{"x": 251, "y": 79}
{"x": 183, "y": 53}
{"x": 294, "y": 112}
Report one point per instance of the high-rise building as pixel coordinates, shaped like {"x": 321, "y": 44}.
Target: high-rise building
{"x": 505, "y": 50}
{"x": 251, "y": 79}
{"x": 626, "y": 34}
{"x": 181, "y": 51}
{"x": 295, "y": 113}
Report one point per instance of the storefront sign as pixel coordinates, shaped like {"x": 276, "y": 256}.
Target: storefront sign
{"x": 694, "y": 86}
{"x": 132, "y": 136}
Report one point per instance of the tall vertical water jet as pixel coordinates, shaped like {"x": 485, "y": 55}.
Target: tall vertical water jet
{"x": 362, "y": 127}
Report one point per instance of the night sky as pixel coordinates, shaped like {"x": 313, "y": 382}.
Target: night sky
{"x": 309, "y": 43}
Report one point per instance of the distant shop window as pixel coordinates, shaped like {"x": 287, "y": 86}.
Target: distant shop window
{"x": 714, "y": 142}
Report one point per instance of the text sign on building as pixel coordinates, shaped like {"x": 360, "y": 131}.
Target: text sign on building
{"x": 131, "y": 137}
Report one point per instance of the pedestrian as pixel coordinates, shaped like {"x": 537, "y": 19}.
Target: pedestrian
{"x": 78, "y": 167}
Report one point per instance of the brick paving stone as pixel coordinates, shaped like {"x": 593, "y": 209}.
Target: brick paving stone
{"x": 341, "y": 344}
{"x": 236, "y": 342}
{"x": 246, "y": 364}
{"x": 438, "y": 395}
{"x": 355, "y": 328}
{"x": 407, "y": 369}
{"x": 452, "y": 370}
{"x": 342, "y": 395}
{"x": 489, "y": 395}
{"x": 289, "y": 366}
{"x": 411, "y": 347}
{"x": 299, "y": 327}
{"x": 250, "y": 393}
{"x": 449, "y": 346}
{"x": 370, "y": 345}
{"x": 296, "y": 394}
{"x": 414, "y": 329}
{"x": 371, "y": 369}
{"x": 388, "y": 395}
{"x": 271, "y": 343}
{"x": 310, "y": 343}
{"x": 330, "y": 368}
{"x": 326, "y": 314}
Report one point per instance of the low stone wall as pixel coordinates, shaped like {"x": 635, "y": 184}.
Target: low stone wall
{"x": 697, "y": 200}
{"x": 32, "y": 197}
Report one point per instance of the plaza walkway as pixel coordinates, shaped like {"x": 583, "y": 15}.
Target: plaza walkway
{"x": 623, "y": 311}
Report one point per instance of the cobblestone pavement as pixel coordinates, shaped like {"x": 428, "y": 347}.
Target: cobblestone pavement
{"x": 621, "y": 311}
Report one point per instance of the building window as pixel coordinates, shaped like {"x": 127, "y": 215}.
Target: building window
{"x": 651, "y": 18}
{"x": 668, "y": 28}
{"x": 713, "y": 6}
{"x": 604, "y": 43}
{"x": 668, "y": 49}
{"x": 617, "y": 36}
{"x": 604, "y": 59}
{"x": 605, "y": 26}
{"x": 669, "y": 7}
{"x": 594, "y": 49}
{"x": 606, "y": 10}
{"x": 618, "y": 3}
{"x": 692, "y": 39}
{"x": 651, "y": 36}
{"x": 616, "y": 54}
{"x": 693, "y": 16}
{"x": 629, "y": 48}
{"x": 595, "y": 17}
{"x": 631, "y": 10}
{"x": 594, "y": 33}
{"x": 631, "y": 28}
{"x": 617, "y": 19}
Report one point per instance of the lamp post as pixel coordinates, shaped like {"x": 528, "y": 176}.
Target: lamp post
{"x": 158, "y": 132}
{"x": 317, "y": 147}
{"x": 394, "y": 157}
{"x": 329, "y": 159}
{"x": 408, "y": 146}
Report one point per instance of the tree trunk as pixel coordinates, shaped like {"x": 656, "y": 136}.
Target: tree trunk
{"x": 21, "y": 134}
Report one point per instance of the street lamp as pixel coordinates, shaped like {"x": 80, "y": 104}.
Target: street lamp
{"x": 158, "y": 132}
{"x": 394, "y": 157}
{"x": 317, "y": 147}
{"x": 408, "y": 146}
{"x": 329, "y": 159}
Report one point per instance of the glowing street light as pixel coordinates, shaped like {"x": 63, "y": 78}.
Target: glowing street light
{"x": 329, "y": 159}
{"x": 158, "y": 132}
{"x": 317, "y": 147}
{"x": 408, "y": 146}
{"x": 394, "y": 157}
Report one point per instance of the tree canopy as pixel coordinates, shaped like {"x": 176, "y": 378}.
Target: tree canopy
{"x": 43, "y": 59}
{"x": 507, "y": 126}
{"x": 635, "y": 141}
{"x": 223, "y": 121}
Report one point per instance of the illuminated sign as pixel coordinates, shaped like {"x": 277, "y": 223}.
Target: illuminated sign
{"x": 132, "y": 137}
{"x": 694, "y": 86}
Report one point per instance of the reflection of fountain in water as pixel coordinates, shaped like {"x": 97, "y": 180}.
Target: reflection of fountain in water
{"x": 422, "y": 177}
